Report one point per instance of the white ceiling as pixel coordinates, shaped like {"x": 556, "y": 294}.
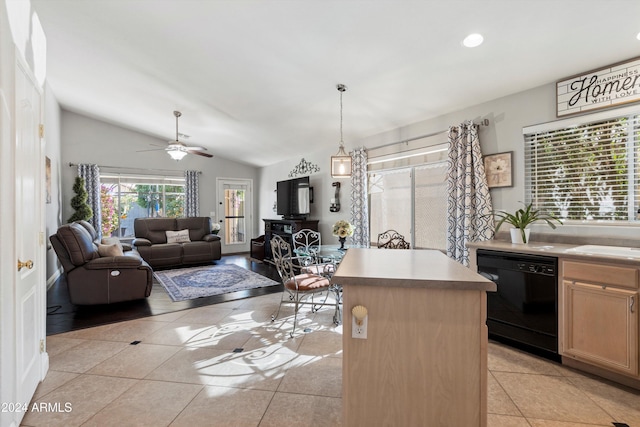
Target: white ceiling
{"x": 256, "y": 78}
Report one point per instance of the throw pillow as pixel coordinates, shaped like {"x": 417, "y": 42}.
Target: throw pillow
{"x": 110, "y": 250}
{"x": 178, "y": 236}
{"x": 112, "y": 241}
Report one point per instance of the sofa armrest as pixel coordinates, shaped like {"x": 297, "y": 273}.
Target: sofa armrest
{"x": 140, "y": 241}
{"x": 126, "y": 247}
{"x": 113, "y": 262}
{"x": 211, "y": 237}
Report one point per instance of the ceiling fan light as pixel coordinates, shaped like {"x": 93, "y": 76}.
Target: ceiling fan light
{"x": 176, "y": 154}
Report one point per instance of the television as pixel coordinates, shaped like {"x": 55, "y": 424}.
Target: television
{"x": 293, "y": 198}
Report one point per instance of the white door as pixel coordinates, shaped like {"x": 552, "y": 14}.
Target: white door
{"x": 30, "y": 293}
{"x": 234, "y": 214}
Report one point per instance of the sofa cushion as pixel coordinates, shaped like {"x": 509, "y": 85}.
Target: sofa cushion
{"x": 78, "y": 243}
{"x": 154, "y": 229}
{"x": 110, "y": 250}
{"x": 177, "y": 236}
{"x": 112, "y": 241}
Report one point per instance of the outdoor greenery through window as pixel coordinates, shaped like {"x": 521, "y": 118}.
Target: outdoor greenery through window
{"x": 586, "y": 172}
{"x": 125, "y": 197}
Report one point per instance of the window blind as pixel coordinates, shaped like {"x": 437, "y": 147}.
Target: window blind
{"x": 586, "y": 171}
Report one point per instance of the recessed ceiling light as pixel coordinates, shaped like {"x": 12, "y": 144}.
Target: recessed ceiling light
{"x": 638, "y": 36}
{"x": 473, "y": 40}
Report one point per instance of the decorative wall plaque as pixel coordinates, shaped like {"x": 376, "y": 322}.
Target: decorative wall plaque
{"x": 602, "y": 88}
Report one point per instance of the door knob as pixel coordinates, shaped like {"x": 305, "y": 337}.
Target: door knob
{"x": 28, "y": 264}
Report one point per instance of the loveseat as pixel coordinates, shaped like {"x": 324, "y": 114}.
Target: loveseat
{"x": 99, "y": 273}
{"x": 169, "y": 242}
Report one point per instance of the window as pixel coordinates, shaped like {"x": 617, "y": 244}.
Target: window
{"x": 585, "y": 171}
{"x": 408, "y": 191}
{"x": 125, "y": 198}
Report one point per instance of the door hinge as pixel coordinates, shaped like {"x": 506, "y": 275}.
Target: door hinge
{"x": 41, "y": 130}
{"x": 41, "y": 346}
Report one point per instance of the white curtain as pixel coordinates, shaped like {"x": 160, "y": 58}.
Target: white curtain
{"x": 359, "y": 196}
{"x": 91, "y": 175}
{"x": 469, "y": 210}
{"x": 191, "y": 193}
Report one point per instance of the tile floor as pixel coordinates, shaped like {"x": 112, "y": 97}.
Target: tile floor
{"x": 184, "y": 372}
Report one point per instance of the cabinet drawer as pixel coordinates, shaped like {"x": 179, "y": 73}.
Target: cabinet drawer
{"x": 601, "y": 274}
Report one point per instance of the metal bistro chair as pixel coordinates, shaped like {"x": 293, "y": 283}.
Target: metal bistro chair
{"x": 391, "y": 239}
{"x": 298, "y": 287}
{"x": 306, "y": 246}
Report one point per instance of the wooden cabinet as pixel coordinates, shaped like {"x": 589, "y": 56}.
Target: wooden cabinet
{"x": 600, "y": 316}
{"x": 284, "y": 228}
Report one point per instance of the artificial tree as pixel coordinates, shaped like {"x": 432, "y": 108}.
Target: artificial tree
{"x": 79, "y": 202}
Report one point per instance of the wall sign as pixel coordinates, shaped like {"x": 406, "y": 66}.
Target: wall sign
{"x": 602, "y": 88}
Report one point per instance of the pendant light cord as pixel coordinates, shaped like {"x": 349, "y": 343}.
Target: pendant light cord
{"x": 341, "y": 88}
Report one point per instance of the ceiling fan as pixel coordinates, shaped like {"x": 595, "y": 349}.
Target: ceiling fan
{"x": 177, "y": 150}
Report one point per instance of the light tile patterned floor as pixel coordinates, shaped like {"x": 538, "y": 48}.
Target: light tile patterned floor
{"x": 184, "y": 373}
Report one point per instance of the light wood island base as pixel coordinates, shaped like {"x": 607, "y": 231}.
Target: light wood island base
{"x": 424, "y": 361}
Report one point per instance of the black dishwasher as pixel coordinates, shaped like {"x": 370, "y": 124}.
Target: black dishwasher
{"x": 523, "y": 312}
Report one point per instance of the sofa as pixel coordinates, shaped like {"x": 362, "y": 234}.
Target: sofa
{"x": 98, "y": 273}
{"x": 171, "y": 242}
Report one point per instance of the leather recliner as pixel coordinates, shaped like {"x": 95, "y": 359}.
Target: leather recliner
{"x": 93, "y": 279}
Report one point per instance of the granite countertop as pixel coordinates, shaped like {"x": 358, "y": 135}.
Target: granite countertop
{"x": 407, "y": 268}
{"x": 563, "y": 250}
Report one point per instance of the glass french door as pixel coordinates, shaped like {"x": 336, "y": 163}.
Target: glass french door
{"x": 234, "y": 214}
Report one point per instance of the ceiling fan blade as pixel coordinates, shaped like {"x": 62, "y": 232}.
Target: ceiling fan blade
{"x": 199, "y": 153}
{"x": 189, "y": 147}
{"x": 154, "y": 149}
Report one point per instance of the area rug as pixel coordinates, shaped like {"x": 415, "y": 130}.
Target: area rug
{"x": 197, "y": 282}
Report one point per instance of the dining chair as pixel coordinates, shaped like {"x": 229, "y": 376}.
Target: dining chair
{"x": 306, "y": 246}
{"x": 391, "y": 239}
{"x": 298, "y": 287}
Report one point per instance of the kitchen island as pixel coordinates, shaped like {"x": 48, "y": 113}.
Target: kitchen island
{"x": 424, "y": 359}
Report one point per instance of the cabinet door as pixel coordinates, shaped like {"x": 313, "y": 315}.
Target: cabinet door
{"x": 601, "y": 326}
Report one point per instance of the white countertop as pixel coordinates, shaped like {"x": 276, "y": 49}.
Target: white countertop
{"x": 407, "y": 268}
{"x": 556, "y": 250}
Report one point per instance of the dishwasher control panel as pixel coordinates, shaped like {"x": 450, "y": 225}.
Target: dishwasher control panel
{"x": 536, "y": 268}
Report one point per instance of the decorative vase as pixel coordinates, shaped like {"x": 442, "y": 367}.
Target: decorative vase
{"x": 342, "y": 240}
{"x": 516, "y": 236}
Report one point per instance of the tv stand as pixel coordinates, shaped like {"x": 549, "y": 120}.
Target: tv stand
{"x": 284, "y": 228}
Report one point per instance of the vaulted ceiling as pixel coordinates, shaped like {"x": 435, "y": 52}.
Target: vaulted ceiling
{"x": 256, "y": 79}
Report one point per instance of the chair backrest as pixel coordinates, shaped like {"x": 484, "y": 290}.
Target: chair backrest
{"x": 391, "y": 239}
{"x": 306, "y": 242}
{"x": 281, "y": 252}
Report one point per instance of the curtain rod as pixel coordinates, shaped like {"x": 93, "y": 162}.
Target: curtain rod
{"x": 133, "y": 168}
{"x": 484, "y": 122}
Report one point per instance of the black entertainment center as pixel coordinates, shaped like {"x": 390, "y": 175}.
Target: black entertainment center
{"x": 284, "y": 228}
{"x": 294, "y": 197}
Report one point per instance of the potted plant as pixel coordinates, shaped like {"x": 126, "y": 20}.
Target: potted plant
{"x": 521, "y": 219}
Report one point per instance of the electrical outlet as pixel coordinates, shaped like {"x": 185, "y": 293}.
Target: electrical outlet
{"x": 359, "y": 331}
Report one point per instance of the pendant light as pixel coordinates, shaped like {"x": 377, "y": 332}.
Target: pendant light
{"x": 341, "y": 162}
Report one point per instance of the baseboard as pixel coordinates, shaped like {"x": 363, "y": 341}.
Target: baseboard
{"x": 51, "y": 280}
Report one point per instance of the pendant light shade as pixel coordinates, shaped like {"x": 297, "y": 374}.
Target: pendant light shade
{"x": 341, "y": 162}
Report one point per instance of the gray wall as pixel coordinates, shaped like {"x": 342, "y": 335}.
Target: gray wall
{"x": 507, "y": 116}
{"x": 53, "y": 210}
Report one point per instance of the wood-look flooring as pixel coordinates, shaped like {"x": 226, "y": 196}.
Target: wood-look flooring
{"x": 63, "y": 316}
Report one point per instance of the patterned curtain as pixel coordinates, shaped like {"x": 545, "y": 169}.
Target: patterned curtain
{"x": 191, "y": 193}
{"x": 469, "y": 210}
{"x": 91, "y": 175}
{"x": 359, "y": 196}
